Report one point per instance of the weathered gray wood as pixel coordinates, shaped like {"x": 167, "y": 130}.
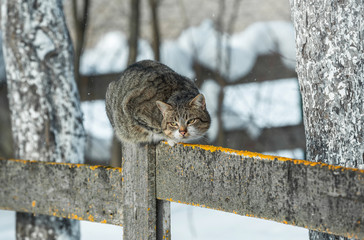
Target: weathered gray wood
{"x": 311, "y": 195}
{"x": 163, "y": 220}
{"x": 295, "y": 192}
{"x": 74, "y": 191}
{"x": 145, "y": 217}
{"x": 140, "y": 203}
{"x": 330, "y": 53}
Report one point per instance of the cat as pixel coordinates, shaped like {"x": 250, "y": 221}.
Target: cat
{"x": 150, "y": 103}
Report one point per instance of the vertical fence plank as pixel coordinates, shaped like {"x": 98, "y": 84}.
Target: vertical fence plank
{"x": 138, "y": 164}
{"x": 140, "y": 203}
{"x": 163, "y": 220}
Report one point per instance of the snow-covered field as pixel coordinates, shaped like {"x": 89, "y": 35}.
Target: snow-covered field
{"x": 254, "y": 106}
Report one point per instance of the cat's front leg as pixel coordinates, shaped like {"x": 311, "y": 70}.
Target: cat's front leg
{"x": 171, "y": 142}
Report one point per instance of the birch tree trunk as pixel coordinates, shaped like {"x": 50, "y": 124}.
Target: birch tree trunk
{"x": 330, "y": 68}
{"x": 45, "y": 111}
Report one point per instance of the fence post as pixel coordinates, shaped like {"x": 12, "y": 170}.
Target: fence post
{"x": 144, "y": 217}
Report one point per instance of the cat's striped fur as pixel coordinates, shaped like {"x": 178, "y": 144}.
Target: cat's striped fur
{"x": 151, "y": 102}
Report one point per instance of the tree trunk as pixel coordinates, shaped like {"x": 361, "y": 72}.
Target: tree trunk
{"x": 330, "y": 53}
{"x": 153, "y": 4}
{"x": 134, "y": 26}
{"x": 80, "y": 25}
{"x": 45, "y": 111}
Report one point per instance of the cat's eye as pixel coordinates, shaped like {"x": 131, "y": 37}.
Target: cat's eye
{"x": 173, "y": 124}
{"x": 191, "y": 121}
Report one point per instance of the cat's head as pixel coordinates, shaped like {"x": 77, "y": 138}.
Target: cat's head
{"x": 187, "y": 122}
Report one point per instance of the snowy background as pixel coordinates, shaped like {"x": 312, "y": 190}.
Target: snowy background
{"x": 249, "y": 106}
{"x": 255, "y": 106}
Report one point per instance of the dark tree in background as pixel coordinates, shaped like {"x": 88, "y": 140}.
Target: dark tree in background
{"x": 80, "y": 19}
{"x": 330, "y": 68}
{"x": 45, "y": 111}
{"x": 134, "y": 30}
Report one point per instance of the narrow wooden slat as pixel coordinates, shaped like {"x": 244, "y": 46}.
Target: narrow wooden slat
{"x": 75, "y": 191}
{"x": 296, "y": 192}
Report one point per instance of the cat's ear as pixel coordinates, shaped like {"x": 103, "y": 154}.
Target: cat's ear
{"x": 199, "y": 101}
{"x": 164, "y": 107}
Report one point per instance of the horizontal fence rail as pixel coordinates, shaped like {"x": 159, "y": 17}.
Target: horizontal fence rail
{"x": 313, "y": 195}
{"x": 75, "y": 191}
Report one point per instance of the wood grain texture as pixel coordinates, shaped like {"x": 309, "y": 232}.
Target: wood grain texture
{"x": 139, "y": 202}
{"x": 74, "y": 191}
{"x": 163, "y": 220}
{"x": 294, "y": 192}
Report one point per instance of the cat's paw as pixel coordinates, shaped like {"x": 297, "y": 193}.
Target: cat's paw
{"x": 171, "y": 142}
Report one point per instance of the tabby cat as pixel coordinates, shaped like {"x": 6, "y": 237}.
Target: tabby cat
{"x": 151, "y": 102}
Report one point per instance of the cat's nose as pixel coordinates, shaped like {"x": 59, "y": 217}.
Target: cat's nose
{"x": 182, "y": 132}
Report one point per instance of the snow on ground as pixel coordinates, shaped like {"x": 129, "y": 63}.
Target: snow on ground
{"x": 194, "y": 223}
{"x": 268, "y": 37}
{"x": 111, "y": 54}
{"x": 202, "y": 43}
{"x": 7, "y": 225}
{"x": 251, "y": 106}
{"x": 98, "y": 126}
{"x": 254, "y": 106}
{"x": 268, "y": 104}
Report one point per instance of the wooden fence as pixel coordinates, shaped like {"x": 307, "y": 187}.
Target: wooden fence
{"x": 312, "y": 195}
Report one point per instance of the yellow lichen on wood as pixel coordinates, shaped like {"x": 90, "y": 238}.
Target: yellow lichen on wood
{"x": 91, "y": 218}
{"x": 269, "y": 157}
{"x": 94, "y": 167}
